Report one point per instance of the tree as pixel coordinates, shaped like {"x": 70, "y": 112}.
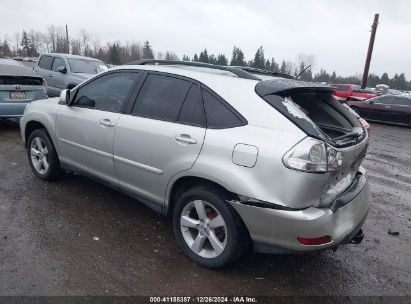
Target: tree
{"x": 114, "y": 54}
{"x": 283, "y": 68}
{"x": 195, "y": 58}
{"x": 25, "y": 43}
{"x": 5, "y": 49}
{"x": 171, "y": 56}
{"x": 221, "y": 59}
{"x": 259, "y": 61}
{"x": 204, "y": 56}
{"x": 147, "y": 51}
{"x": 186, "y": 58}
{"x": 237, "y": 58}
{"x": 51, "y": 32}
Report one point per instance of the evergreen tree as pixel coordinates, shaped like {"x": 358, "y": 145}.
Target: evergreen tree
{"x": 147, "y": 51}
{"x": 114, "y": 54}
{"x": 204, "y": 57}
{"x": 25, "y": 43}
{"x": 221, "y": 59}
{"x": 274, "y": 66}
{"x": 186, "y": 58}
{"x": 195, "y": 58}
{"x": 237, "y": 58}
{"x": 283, "y": 68}
{"x": 5, "y": 49}
{"x": 259, "y": 60}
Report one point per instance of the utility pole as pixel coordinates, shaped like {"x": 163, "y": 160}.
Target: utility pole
{"x": 67, "y": 41}
{"x": 369, "y": 53}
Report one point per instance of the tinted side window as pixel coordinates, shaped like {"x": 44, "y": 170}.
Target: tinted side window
{"x": 402, "y": 101}
{"x": 45, "y": 62}
{"x": 161, "y": 97}
{"x": 106, "y": 93}
{"x": 218, "y": 115}
{"x": 58, "y": 62}
{"x": 192, "y": 111}
{"x": 384, "y": 100}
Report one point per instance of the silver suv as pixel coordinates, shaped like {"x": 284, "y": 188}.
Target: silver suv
{"x": 233, "y": 159}
{"x": 64, "y": 71}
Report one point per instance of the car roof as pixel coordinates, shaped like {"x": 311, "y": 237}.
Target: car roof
{"x": 70, "y": 56}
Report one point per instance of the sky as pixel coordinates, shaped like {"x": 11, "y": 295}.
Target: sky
{"x": 336, "y": 32}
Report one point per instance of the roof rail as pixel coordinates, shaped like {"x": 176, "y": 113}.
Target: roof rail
{"x": 265, "y": 72}
{"x": 235, "y": 70}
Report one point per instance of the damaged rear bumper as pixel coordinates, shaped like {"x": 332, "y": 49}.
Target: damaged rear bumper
{"x": 276, "y": 231}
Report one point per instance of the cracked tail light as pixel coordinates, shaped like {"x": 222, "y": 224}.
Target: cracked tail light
{"x": 312, "y": 155}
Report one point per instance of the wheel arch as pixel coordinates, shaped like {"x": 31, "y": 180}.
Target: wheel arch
{"x": 33, "y": 125}
{"x": 183, "y": 183}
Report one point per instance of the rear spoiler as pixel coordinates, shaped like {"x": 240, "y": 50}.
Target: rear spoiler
{"x": 283, "y": 87}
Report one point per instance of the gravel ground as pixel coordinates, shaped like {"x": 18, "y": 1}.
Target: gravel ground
{"x": 49, "y": 245}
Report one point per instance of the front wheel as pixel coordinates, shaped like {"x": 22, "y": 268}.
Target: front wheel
{"x": 207, "y": 229}
{"x": 42, "y": 156}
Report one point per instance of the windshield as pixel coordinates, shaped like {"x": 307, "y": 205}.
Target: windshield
{"x": 86, "y": 66}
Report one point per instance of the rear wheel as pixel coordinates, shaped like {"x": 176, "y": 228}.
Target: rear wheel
{"x": 42, "y": 156}
{"x": 207, "y": 229}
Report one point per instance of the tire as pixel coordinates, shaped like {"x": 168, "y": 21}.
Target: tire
{"x": 206, "y": 239}
{"x": 42, "y": 156}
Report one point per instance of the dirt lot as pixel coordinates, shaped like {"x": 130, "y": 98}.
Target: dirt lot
{"x": 47, "y": 246}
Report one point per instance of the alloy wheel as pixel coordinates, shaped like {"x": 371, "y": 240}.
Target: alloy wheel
{"x": 39, "y": 155}
{"x": 203, "y": 228}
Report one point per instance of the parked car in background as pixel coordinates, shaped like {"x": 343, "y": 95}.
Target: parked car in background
{"x": 346, "y": 92}
{"x": 387, "y": 108}
{"x": 64, "y": 71}
{"x": 18, "y": 87}
{"x": 217, "y": 149}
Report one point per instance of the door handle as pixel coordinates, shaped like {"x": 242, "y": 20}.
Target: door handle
{"x": 185, "y": 138}
{"x": 105, "y": 123}
{"x": 388, "y": 107}
{"x": 51, "y": 76}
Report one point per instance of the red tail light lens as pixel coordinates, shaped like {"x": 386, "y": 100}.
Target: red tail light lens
{"x": 315, "y": 241}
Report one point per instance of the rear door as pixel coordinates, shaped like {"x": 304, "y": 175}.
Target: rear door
{"x": 161, "y": 135}
{"x": 85, "y": 129}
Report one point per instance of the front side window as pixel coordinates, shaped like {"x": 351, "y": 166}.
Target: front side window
{"x": 384, "y": 100}
{"x": 57, "y": 63}
{"x": 402, "y": 101}
{"x": 106, "y": 93}
{"x": 46, "y": 62}
{"x": 86, "y": 66}
{"x": 161, "y": 97}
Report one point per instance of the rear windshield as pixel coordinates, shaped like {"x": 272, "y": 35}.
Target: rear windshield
{"x": 318, "y": 114}
{"x": 86, "y": 66}
{"x": 342, "y": 87}
{"x": 20, "y": 80}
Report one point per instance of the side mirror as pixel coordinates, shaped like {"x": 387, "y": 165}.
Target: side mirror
{"x": 65, "y": 97}
{"x": 62, "y": 69}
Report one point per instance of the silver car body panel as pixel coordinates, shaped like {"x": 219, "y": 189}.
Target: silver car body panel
{"x": 146, "y": 157}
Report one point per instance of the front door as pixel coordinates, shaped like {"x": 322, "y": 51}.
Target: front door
{"x": 85, "y": 129}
